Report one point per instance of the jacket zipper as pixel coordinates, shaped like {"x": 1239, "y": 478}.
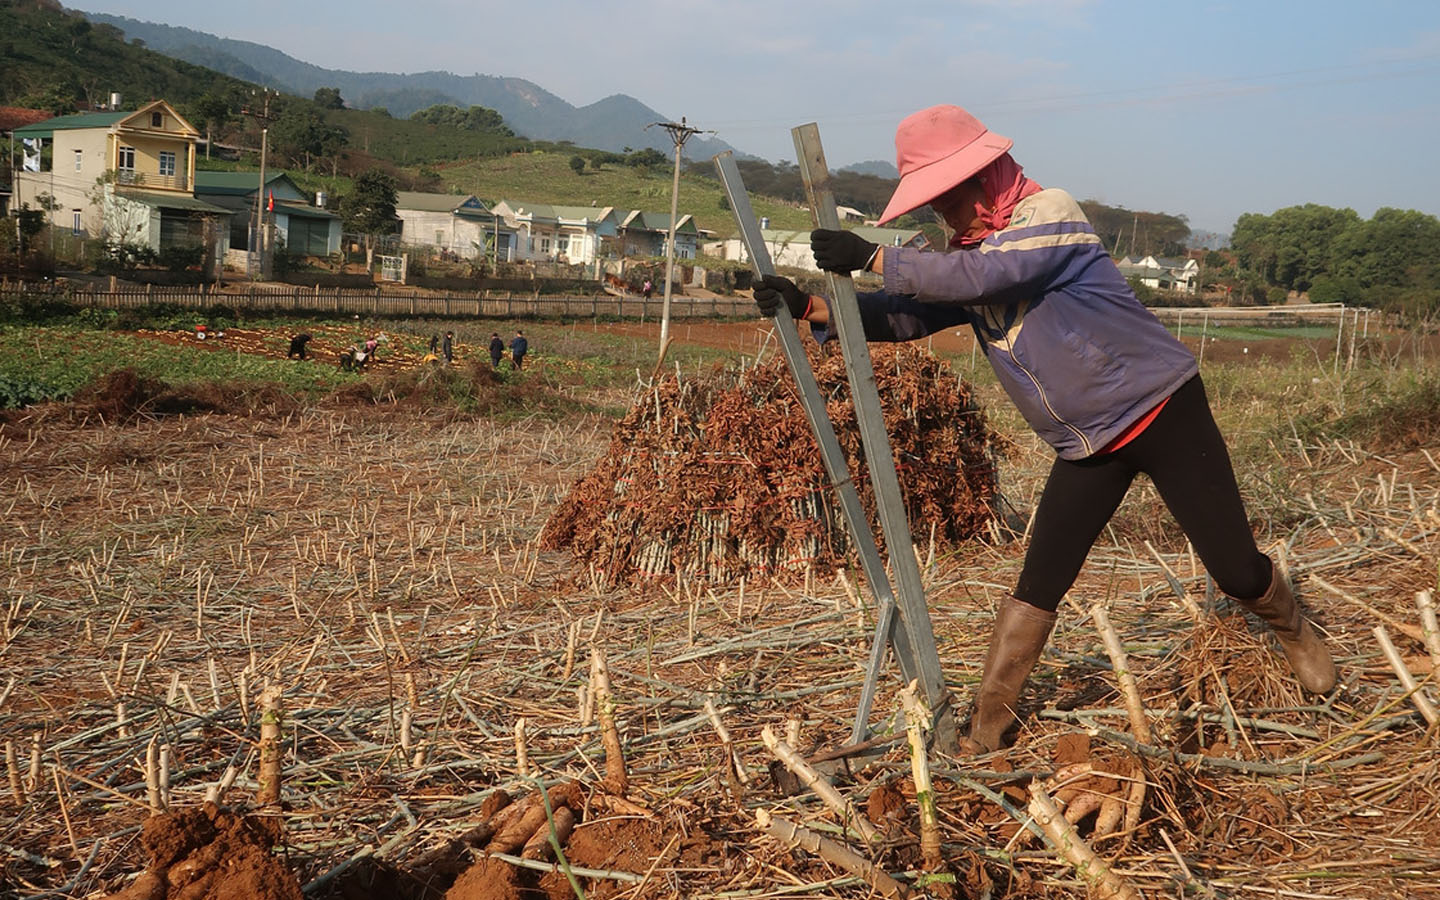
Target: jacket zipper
{"x": 1050, "y": 409}
{"x": 1040, "y": 392}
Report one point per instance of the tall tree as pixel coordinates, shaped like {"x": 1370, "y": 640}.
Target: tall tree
{"x": 1292, "y": 247}
{"x": 302, "y": 135}
{"x": 329, "y": 98}
{"x": 213, "y": 110}
{"x": 369, "y": 208}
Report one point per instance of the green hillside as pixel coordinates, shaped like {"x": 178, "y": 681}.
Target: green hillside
{"x": 56, "y": 60}
{"x": 546, "y": 177}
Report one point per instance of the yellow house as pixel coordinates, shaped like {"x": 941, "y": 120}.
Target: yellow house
{"x": 125, "y": 176}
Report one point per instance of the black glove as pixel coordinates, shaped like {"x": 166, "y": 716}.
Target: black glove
{"x": 841, "y": 251}
{"x": 773, "y": 288}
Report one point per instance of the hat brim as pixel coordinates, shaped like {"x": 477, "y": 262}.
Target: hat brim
{"x": 924, "y": 184}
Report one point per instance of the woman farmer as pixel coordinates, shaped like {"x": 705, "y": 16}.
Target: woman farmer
{"x": 1093, "y": 372}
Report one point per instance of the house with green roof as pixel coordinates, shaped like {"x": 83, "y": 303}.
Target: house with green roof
{"x": 126, "y": 177}
{"x": 460, "y": 225}
{"x": 570, "y": 234}
{"x": 792, "y": 248}
{"x": 645, "y": 233}
{"x": 302, "y": 226}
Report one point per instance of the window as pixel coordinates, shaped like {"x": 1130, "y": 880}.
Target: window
{"x": 545, "y": 245}
{"x": 439, "y": 238}
{"x": 125, "y": 159}
{"x": 79, "y": 158}
{"x": 167, "y": 162}
{"x": 75, "y": 221}
{"x": 156, "y": 120}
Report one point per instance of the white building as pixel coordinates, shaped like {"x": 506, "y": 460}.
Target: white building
{"x": 568, "y": 234}
{"x": 1181, "y": 275}
{"x": 459, "y": 224}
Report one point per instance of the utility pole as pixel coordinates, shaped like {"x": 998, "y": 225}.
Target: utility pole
{"x": 15, "y": 199}
{"x": 257, "y": 238}
{"x": 679, "y": 134}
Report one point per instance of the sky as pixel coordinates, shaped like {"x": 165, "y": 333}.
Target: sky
{"x": 1203, "y": 109}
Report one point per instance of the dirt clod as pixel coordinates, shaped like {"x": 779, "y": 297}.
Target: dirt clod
{"x": 209, "y": 853}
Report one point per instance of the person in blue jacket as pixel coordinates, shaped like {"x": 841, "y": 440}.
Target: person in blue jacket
{"x": 1092, "y": 371}
{"x": 518, "y": 348}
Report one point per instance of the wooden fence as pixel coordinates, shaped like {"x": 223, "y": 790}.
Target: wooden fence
{"x": 380, "y": 302}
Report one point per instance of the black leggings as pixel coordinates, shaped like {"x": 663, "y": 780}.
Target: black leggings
{"x": 1185, "y": 456}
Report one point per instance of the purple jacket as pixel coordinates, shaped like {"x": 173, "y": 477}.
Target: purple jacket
{"x": 1076, "y": 351}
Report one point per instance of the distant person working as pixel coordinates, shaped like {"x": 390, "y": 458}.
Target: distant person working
{"x": 518, "y": 348}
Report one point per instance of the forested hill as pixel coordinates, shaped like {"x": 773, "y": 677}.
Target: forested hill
{"x": 54, "y": 60}
{"x": 613, "y": 124}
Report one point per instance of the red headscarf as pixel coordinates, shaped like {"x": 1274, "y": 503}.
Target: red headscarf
{"x": 1005, "y": 186}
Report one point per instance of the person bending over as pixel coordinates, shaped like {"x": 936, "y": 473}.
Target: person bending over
{"x": 1092, "y": 371}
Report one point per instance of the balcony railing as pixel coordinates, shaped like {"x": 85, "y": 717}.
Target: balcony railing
{"x": 149, "y": 180}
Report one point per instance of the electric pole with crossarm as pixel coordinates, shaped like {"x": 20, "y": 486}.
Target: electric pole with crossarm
{"x": 679, "y": 133}
{"x": 257, "y": 265}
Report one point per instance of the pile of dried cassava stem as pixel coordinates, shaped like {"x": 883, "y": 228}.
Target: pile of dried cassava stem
{"x": 719, "y": 477}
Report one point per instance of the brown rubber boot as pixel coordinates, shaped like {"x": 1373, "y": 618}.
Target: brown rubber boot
{"x": 1021, "y": 631}
{"x": 1308, "y": 657}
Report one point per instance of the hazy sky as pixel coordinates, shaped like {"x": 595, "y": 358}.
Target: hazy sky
{"x": 1202, "y": 109}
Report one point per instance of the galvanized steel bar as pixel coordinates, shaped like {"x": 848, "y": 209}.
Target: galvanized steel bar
{"x": 886, "y": 632}
{"x": 845, "y": 316}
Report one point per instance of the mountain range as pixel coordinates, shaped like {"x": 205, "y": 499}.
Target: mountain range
{"x": 613, "y": 124}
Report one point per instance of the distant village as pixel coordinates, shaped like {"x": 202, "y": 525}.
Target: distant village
{"x": 130, "y": 177}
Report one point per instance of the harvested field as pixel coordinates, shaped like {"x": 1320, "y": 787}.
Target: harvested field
{"x": 383, "y": 567}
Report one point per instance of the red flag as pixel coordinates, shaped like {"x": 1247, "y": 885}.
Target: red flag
{"x": 270, "y": 205}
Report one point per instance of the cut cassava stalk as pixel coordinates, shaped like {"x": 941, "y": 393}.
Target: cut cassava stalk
{"x": 834, "y": 853}
{"x": 152, "y": 777}
{"x": 736, "y": 765}
{"x": 617, "y": 781}
{"x": 12, "y": 768}
{"x": 1139, "y": 724}
{"x": 1191, "y": 607}
{"x": 522, "y": 755}
{"x": 850, "y": 817}
{"x": 1397, "y": 664}
{"x": 916, "y": 719}
{"x": 268, "y": 776}
{"x": 1404, "y": 627}
{"x": 1067, "y": 842}
{"x": 1429, "y": 628}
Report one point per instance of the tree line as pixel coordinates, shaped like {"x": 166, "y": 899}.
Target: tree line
{"x": 1390, "y": 261}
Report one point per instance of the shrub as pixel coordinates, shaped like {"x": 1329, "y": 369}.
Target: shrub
{"x": 181, "y": 259}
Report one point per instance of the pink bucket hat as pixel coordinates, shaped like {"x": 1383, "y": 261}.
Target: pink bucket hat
{"x": 936, "y": 149}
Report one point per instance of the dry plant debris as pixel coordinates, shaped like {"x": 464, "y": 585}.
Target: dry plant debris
{"x": 720, "y": 477}
{"x": 385, "y": 569}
